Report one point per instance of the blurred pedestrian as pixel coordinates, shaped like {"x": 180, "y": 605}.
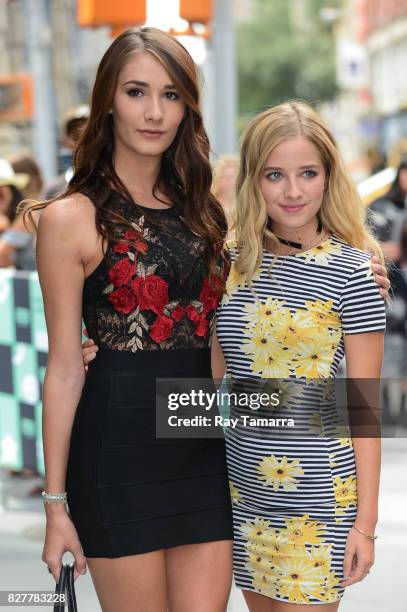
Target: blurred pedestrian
{"x": 395, "y": 341}
{"x": 17, "y": 244}
{"x": 224, "y": 184}
{"x": 388, "y": 213}
{"x": 11, "y": 185}
{"x": 74, "y": 124}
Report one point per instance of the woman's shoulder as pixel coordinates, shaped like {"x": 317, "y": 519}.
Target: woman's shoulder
{"x": 72, "y": 210}
{"x": 348, "y": 253}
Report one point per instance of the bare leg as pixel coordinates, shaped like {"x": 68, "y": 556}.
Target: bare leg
{"x": 257, "y": 602}
{"x": 136, "y": 583}
{"x": 260, "y": 603}
{"x": 199, "y": 577}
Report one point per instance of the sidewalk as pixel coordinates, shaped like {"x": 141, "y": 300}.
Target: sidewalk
{"x": 22, "y": 528}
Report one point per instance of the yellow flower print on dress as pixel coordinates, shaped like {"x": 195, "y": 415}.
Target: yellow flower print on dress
{"x": 263, "y": 314}
{"x": 322, "y": 253}
{"x": 234, "y": 493}
{"x": 280, "y": 473}
{"x": 290, "y": 328}
{"x": 299, "y": 580}
{"x": 273, "y": 364}
{"x": 329, "y": 389}
{"x": 321, "y": 557}
{"x": 259, "y": 562}
{"x": 331, "y": 592}
{"x": 316, "y": 425}
{"x": 255, "y": 530}
{"x": 301, "y": 531}
{"x": 345, "y": 493}
{"x": 258, "y": 343}
{"x": 346, "y": 442}
{"x": 276, "y": 542}
{"x": 322, "y": 314}
{"x": 234, "y": 282}
{"x": 289, "y": 393}
{"x": 265, "y": 584}
{"x": 314, "y": 360}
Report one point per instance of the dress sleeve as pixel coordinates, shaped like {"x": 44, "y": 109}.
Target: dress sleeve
{"x": 361, "y": 306}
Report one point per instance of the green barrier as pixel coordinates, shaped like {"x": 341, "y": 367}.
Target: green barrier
{"x": 23, "y": 358}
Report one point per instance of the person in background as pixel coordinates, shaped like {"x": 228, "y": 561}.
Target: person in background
{"x": 17, "y": 244}
{"x": 224, "y": 184}
{"x": 388, "y": 213}
{"x": 395, "y": 341}
{"x": 11, "y": 184}
{"x": 74, "y": 124}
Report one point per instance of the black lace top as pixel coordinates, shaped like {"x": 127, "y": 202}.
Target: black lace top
{"x": 151, "y": 290}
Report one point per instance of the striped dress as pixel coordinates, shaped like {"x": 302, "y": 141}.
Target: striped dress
{"x": 294, "y": 496}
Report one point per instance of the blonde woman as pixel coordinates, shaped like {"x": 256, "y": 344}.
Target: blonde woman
{"x": 301, "y": 295}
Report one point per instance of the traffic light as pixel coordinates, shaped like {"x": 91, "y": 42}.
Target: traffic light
{"x": 93, "y": 13}
{"x": 16, "y": 97}
{"x": 196, "y": 11}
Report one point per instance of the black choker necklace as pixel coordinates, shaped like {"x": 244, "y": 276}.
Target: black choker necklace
{"x": 297, "y": 245}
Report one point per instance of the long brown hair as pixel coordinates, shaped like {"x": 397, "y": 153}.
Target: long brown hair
{"x": 185, "y": 174}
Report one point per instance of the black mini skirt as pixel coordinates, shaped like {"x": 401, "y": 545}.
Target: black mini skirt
{"x": 130, "y": 492}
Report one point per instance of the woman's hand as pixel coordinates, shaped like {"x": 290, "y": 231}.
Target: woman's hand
{"x": 381, "y": 277}
{"x": 61, "y": 537}
{"x": 359, "y": 558}
{"x": 89, "y": 350}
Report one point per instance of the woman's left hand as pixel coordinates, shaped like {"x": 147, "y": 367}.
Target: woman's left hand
{"x": 359, "y": 558}
{"x": 381, "y": 277}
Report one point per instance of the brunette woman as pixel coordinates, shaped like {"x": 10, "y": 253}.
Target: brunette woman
{"x": 135, "y": 247}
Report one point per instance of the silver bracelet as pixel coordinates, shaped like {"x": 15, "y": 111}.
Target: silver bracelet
{"x": 54, "y": 498}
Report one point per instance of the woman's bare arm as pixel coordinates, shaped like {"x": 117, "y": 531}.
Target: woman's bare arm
{"x": 61, "y": 236}
{"x": 59, "y": 259}
{"x": 364, "y": 355}
{"x": 217, "y": 359}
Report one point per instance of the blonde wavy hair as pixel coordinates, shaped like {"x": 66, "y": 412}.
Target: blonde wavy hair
{"x": 342, "y": 212}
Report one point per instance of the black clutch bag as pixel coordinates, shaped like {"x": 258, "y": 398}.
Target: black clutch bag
{"x": 66, "y": 585}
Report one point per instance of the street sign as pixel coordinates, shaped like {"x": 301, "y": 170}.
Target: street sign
{"x": 16, "y": 97}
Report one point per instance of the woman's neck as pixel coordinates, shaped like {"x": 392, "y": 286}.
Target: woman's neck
{"x": 297, "y": 234}
{"x": 137, "y": 172}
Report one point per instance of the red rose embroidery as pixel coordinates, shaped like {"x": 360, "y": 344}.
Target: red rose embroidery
{"x": 121, "y": 247}
{"x": 122, "y": 272}
{"x": 130, "y": 235}
{"x": 192, "y": 313}
{"x": 140, "y": 246}
{"x": 138, "y": 243}
{"x": 161, "y": 328}
{"x": 151, "y": 293}
{"x": 178, "y": 313}
{"x": 209, "y": 296}
{"x": 123, "y": 300}
{"x": 201, "y": 328}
